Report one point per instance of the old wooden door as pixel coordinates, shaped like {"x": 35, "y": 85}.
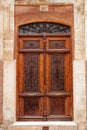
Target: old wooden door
{"x": 44, "y": 77}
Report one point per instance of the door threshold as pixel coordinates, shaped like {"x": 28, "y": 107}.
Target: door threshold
{"x": 45, "y": 123}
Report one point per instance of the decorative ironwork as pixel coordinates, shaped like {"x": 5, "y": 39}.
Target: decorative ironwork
{"x": 57, "y": 44}
{"x": 31, "y": 44}
{"x": 44, "y": 27}
{"x": 31, "y": 73}
{"x": 57, "y": 72}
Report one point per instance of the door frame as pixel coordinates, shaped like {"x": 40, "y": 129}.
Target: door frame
{"x": 59, "y": 37}
{"x": 45, "y": 20}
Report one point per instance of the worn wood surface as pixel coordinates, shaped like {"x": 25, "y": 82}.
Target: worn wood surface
{"x": 27, "y": 14}
{"x": 44, "y": 87}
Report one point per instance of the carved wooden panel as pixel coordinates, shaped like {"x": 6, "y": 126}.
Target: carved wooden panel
{"x": 57, "y": 106}
{"x": 57, "y": 72}
{"x": 45, "y": 91}
{"x": 31, "y": 72}
{"x": 57, "y": 44}
{"x": 31, "y": 106}
{"x": 31, "y": 44}
{"x": 44, "y": 27}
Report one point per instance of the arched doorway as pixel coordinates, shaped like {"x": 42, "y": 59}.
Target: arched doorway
{"x": 44, "y": 72}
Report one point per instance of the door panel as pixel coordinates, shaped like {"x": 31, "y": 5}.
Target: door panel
{"x": 31, "y": 79}
{"x": 31, "y": 106}
{"x": 57, "y": 106}
{"x": 44, "y": 78}
{"x": 56, "y": 44}
{"x": 31, "y": 75}
{"x": 31, "y": 44}
{"x": 58, "y": 71}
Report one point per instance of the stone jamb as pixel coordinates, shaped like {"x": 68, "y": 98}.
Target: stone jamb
{"x": 1, "y": 91}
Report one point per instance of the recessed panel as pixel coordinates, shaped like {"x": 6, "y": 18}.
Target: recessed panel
{"x": 57, "y": 106}
{"x": 56, "y": 44}
{"x": 31, "y": 72}
{"x": 31, "y": 106}
{"x": 57, "y": 72}
{"x": 31, "y": 44}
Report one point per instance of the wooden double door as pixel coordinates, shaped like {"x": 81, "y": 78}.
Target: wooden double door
{"x": 44, "y": 89}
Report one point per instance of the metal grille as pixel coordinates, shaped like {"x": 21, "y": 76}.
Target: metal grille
{"x": 44, "y": 27}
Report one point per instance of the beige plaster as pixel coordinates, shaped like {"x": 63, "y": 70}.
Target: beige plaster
{"x": 79, "y": 91}
{"x": 79, "y": 27}
{"x": 8, "y": 50}
{"x": 26, "y": 128}
{"x": 86, "y": 28}
{"x": 82, "y": 126}
{"x": 63, "y": 128}
{"x": 9, "y": 91}
{"x": 1, "y": 30}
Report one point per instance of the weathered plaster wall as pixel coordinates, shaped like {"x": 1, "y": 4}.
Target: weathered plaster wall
{"x": 86, "y": 28}
{"x": 7, "y": 56}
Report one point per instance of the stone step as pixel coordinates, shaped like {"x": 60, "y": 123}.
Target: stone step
{"x": 40, "y": 125}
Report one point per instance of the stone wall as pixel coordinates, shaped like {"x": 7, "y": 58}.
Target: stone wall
{"x": 1, "y": 90}
{"x": 9, "y": 64}
{"x": 7, "y": 56}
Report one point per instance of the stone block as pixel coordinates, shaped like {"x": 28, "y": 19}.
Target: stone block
{"x": 82, "y": 126}
{"x": 7, "y": 55}
{"x": 1, "y": 31}
{"x": 1, "y": 129}
{"x": 85, "y": 5}
{"x": 12, "y": 25}
{"x": 1, "y": 48}
{"x": 8, "y": 48}
{"x": 52, "y": 125}
{"x": 1, "y": 18}
{"x": 26, "y": 128}
{"x": 1, "y": 91}
{"x": 79, "y": 36}
{"x": 6, "y": 23}
{"x": 8, "y": 44}
{"x": 9, "y": 91}
{"x": 79, "y": 4}
{"x": 86, "y": 34}
{"x": 63, "y": 128}
{"x": 8, "y": 1}
{"x": 79, "y": 51}
{"x": 79, "y": 91}
{"x": 8, "y": 35}
{"x": 11, "y": 9}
